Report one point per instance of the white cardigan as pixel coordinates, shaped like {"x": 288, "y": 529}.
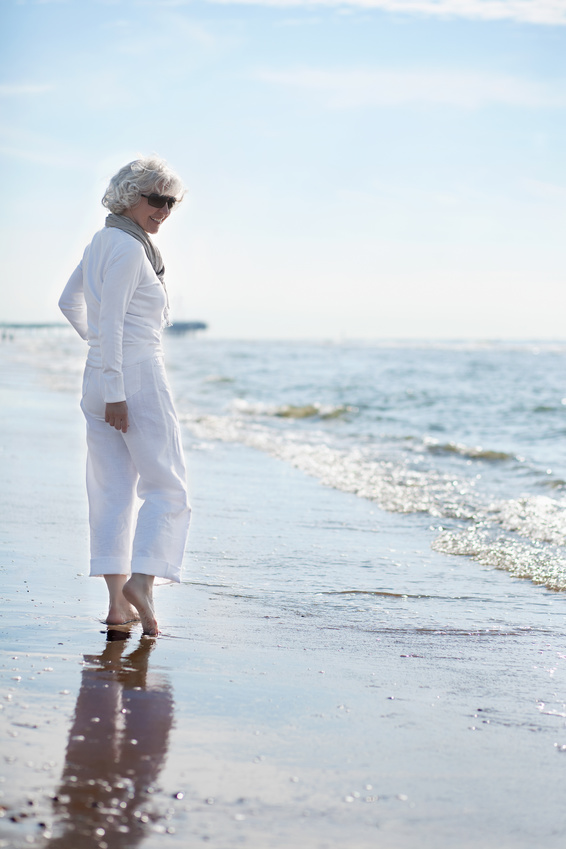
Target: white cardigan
{"x": 115, "y": 301}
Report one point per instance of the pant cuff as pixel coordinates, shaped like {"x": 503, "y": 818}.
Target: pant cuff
{"x": 109, "y": 566}
{"x": 163, "y": 571}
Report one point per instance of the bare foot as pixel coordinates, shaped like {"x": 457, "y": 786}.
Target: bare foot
{"x": 139, "y": 592}
{"x": 120, "y": 611}
{"x": 121, "y": 614}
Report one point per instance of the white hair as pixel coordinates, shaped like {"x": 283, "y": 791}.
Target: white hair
{"x": 142, "y": 176}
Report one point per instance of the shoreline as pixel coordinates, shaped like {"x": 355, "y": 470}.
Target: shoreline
{"x": 274, "y": 721}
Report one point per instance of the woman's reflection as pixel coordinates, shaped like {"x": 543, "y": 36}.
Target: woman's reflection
{"x": 117, "y": 747}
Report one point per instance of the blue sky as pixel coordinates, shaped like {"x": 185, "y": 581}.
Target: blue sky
{"x": 380, "y": 168}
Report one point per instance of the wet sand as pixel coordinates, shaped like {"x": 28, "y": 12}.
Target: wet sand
{"x": 257, "y": 720}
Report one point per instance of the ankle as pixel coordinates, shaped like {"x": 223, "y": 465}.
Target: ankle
{"x": 141, "y": 581}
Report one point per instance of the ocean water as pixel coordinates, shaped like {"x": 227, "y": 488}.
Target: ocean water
{"x": 470, "y": 435}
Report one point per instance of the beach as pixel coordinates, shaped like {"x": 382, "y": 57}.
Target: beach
{"x": 324, "y": 678}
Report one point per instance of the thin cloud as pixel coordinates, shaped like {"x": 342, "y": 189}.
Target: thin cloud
{"x": 550, "y": 12}
{"x": 347, "y": 89}
{"x": 18, "y": 89}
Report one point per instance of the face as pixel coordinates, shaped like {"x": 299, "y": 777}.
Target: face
{"x": 148, "y": 217}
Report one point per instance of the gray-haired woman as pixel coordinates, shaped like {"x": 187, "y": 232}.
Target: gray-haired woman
{"x": 116, "y": 300}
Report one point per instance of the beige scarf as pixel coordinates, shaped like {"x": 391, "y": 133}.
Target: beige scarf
{"x": 122, "y": 222}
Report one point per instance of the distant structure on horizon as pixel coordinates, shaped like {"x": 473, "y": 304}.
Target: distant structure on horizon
{"x": 187, "y": 326}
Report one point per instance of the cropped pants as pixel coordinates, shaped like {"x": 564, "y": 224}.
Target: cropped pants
{"x": 136, "y": 481}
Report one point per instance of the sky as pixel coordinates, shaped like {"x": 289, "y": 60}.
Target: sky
{"x": 362, "y": 169}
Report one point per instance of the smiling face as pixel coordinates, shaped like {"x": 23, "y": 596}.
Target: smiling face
{"x": 148, "y": 217}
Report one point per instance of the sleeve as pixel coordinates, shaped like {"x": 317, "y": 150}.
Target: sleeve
{"x": 72, "y": 302}
{"x": 121, "y": 277}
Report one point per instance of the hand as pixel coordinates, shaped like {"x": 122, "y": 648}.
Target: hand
{"x": 117, "y": 415}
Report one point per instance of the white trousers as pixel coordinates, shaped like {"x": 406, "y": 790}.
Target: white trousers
{"x": 136, "y": 481}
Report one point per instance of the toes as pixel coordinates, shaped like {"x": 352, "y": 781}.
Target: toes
{"x": 149, "y": 625}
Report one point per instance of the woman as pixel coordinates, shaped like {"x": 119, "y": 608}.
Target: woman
{"x": 116, "y": 300}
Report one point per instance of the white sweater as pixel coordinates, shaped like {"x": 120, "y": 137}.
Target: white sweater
{"x": 115, "y": 301}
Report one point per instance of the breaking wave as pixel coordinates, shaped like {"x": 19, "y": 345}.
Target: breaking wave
{"x": 523, "y": 536}
{"x": 293, "y": 411}
{"x": 523, "y": 559}
{"x": 475, "y": 453}
{"x": 394, "y": 486}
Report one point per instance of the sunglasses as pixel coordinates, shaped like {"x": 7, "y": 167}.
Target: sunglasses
{"x": 159, "y": 201}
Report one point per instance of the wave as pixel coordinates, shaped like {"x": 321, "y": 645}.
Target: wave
{"x": 394, "y": 486}
{"x": 537, "y": 517}
{"x": 218, "y": 378}
{"x": 474, "y": 453}
{"x": 535, "y": 561}
{"x": 293, "y": 411}
{"x": 540, "y": 521}
{"x": 539, "y": 555}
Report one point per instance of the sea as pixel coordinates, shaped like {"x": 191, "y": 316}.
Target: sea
{"x": 470, "y": 435}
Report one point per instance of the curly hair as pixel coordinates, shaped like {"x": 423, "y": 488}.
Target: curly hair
{"x": 142, "y": 176}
